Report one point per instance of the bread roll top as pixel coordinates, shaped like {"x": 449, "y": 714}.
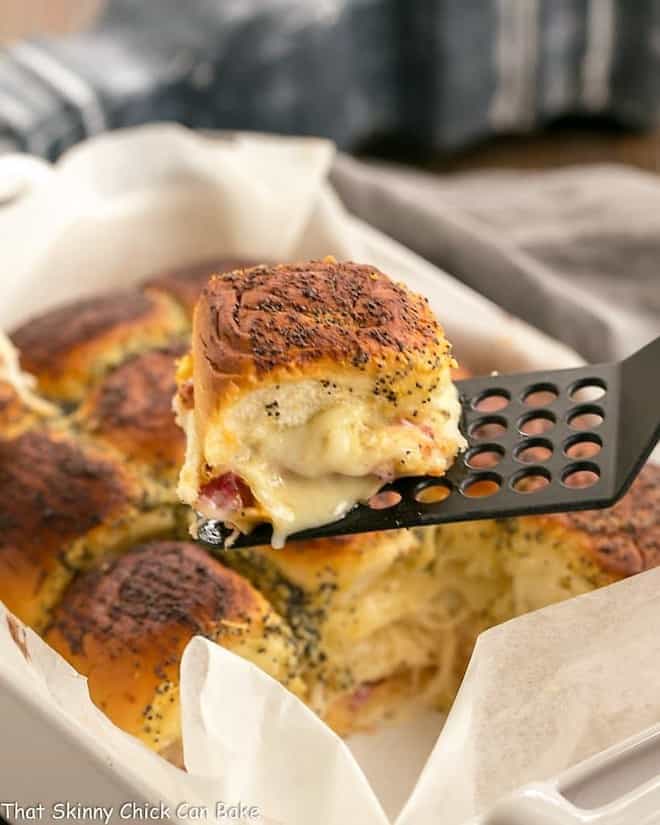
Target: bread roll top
{"x": 125, "y": 626}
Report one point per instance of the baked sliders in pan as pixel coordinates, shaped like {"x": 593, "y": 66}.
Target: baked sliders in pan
{"x": 285, "y": 420}
{"x": 360, "y": 627}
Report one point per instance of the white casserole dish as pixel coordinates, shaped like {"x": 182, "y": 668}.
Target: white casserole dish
{"x": 120, "y": 208}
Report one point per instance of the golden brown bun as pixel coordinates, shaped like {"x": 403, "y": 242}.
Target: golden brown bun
{"x": 131, "y": 408}
{"x": 185, "y": 284}
{"x": 126, "y": 625}
{"x": 313, "y": 319}
{"x": 621, "y": 540}
{"x": 63, "y": 505}
{"x": 70, "y": 347}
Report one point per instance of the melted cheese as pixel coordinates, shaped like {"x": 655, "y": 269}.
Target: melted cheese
{"x": 309, "y": 454}
{"x": 295, "y": 503}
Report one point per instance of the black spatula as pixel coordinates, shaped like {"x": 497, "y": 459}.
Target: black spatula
{"x": 539, "y": 442}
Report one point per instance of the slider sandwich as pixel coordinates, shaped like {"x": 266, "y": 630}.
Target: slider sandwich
{"x": 363, "y": 609}
{"x": 126, "y": 624}
{"x": 308, "y": 387}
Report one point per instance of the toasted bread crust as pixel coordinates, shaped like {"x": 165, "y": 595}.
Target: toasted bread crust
{"x": 132, "y": 410}
{"x": 624, "y": 539}
{"x": 57, "y": 332}
{"x": 152, "y": 594}
{"x": 125, "y": 626}
{"x": 53, "y": 492}
{"x": 259, "y": 319}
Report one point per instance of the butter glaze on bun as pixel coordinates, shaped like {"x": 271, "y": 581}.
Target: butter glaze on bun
{"x": 64, "y": 504}
{"x": 307, "y": 388}
{"x": 125, "y": 627}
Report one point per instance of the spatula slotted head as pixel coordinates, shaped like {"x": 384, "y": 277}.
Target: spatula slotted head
{"x": 538, "y": 442}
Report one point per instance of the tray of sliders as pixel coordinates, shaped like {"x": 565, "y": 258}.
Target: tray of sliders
{"x": 119, "y": 427}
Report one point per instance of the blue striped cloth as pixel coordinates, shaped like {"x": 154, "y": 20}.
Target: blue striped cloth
{"x": 440, "y": 71}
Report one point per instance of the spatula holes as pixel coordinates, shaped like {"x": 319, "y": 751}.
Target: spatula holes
{"x": 488, "y": 427}
{"x": 481, "y": 485}
{"x": 540, "y": 395}
{"x": 484, "y": 457}
{"x": 587, "y": 390}
{"x": 585, "y": 445}
{"x": 586, "y": 417}
{"x": 492, "y": 401}
{"x": 537, "y": 423}
{"x": 433, "y": 493}
{"x": 581, "y": 475}
{"x": 384, "y": 500}
{"x": 531, "y": 480}
{"x": 534, "y": 451}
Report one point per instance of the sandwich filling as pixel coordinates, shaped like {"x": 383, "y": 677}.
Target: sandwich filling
{"x": 303, "y": 454}
{"x": 400, "y": 611}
